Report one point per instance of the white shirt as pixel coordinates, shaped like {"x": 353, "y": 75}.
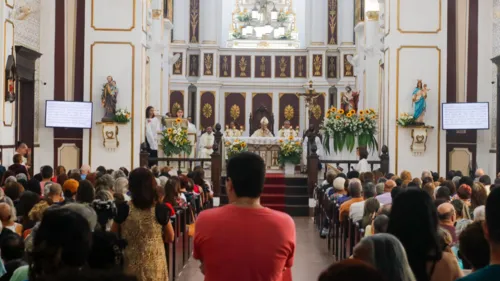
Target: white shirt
{"x": 362, "y": 166}
{"x": 356, "y": 211}
{"x": 153, "y": 127}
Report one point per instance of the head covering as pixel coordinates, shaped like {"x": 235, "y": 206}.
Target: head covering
{"x": 71, "y": 185}
{"x": 338, "y": 184}
{"x": 264, "y": 121}
{"x": 21, "y": 177}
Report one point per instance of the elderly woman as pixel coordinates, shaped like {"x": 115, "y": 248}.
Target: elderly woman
{"x": 385, "y": 253}
{"x": 104, "y": 182}
{"x": 121, "y": 187}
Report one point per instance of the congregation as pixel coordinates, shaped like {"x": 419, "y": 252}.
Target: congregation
{"x": 115, "y": 224}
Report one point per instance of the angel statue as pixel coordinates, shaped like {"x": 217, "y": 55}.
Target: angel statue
{"x": 109, "y": 99}
{"x": 418, "y": 99}
{"x": 349, "y": 100}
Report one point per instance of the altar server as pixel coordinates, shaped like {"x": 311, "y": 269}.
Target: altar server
{"x": 153, "y": 127}
{"x": 206, "y": 143}
{"x": 287, "y": 131}
{"x": 263, "y": 132}
{"x": 362, "y": 166}
{"x": 232, "y": 131}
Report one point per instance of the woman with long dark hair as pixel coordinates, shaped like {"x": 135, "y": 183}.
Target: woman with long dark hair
{"x": 414, "y": 221}
{"x": 144, "y": 223}
{"x": 153, "y": 127}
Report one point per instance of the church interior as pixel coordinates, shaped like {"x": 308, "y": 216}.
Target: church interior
{"x": 311, "y": 86}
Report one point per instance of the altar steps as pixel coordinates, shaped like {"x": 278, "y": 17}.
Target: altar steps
{"x": 283, "y": 194}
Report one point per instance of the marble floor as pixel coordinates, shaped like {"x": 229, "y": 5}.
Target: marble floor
{"x": 311, "y": 256}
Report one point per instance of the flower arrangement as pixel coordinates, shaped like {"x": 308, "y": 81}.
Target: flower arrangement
{"x": 122, "y": 116}
{"x": 345, "y": 127}
{"x": 235, "y": 147}
{"x": 290, "y": 151}
{"x": 244, "y": 17}
{"x": 282, "y": 17}
{"x": 405, "y": 120}
{"x": 175, "y": 140}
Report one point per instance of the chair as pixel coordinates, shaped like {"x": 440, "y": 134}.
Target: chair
{"x": 257, "y": 115}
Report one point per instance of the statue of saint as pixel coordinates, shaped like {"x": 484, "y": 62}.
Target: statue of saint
{"x": 349, "y": 100}
{"x": 263, "y": 132}
{"x": 109, "y": 99}
{"x": 418, "y": 99}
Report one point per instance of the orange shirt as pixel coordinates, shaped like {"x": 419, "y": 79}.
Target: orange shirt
{"x": 244, "y": 244}
{"x": 344, "y": 208}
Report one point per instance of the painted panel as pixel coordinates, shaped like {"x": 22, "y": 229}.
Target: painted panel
{"x": 176, "y": 102}
{"x": 300, "y": 66}
{"x": 208, "y": 64}
{"x": 289, "y": 109}
{"x": 243, "y": 67}
{"x": 225, "y": 66}
{"x": 234, "y": 109}
{"x": 332, "y": 67}
{"x": 283, "y": 66}
{"x": 207, "y": 109}
{"x": 262, "y": 66}
{"x": 194, "y": 65}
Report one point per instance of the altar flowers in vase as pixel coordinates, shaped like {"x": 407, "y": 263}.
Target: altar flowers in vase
{"x": 235, "y": 147}
{"x": 290, "y": 151}
{"x": 347, "y": 127}
{"x": 175, "y": 140}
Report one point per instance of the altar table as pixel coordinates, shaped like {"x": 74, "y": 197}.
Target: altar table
{"x": 267, "y": 148}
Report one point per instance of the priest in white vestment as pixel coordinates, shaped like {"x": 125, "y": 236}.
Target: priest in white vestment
{"x": 232, "y": 131}
{"x": 287, "y": 131}
{"x": 206, "y": 143}
{"x": 263, "y": 132}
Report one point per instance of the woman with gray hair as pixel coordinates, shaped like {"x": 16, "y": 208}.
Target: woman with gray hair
{"x": 104, "y": 182}
{"x": 386, "y": 253}
{"x": 121, "y": 187}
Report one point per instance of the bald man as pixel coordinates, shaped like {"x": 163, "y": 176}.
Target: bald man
{"x": 386, "y": 198}
{"x": 7, "y": 221}
{"x": 447, "y": 217}
{"x": 479, "y": 173}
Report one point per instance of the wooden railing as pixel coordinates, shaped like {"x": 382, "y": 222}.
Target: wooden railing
{"x": 215, "y": 160}
{"x": 313, "y": 163}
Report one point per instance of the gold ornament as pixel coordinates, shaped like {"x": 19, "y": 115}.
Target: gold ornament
{"x": 316, "y": 110}
{"x": 301, "y": 67}
{"x": 263, "y": 67}
{"x": 234, "y": 112}
{"x": 283, "y": 65}
{"x": 317, "y": 65}
{"x": 289, "y": 112}
{"x": 243, "y": 67}
{"x": 225, "y": 66}
{"x": 208, "y": 64}
{"x": 207, "y": 110}
{"x": 175, "y": 107}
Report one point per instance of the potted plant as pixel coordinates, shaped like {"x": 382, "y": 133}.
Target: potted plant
{"x": 235, "y": 147}
{"x": 175, "y": 140}
{"x": 122, "y": 116}
{"x": 289, "y": 155}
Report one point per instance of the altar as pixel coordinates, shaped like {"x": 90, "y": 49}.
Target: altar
{"x": 267, "y": 148}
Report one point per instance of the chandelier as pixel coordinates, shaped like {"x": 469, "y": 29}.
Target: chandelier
{"x": 263, "y": 19}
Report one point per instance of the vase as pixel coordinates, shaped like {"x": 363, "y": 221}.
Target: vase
{"x": 289, "y": 169}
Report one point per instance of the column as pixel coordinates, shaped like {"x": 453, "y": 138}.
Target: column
{"x": 346, "y": 22}
{"x": 372, "y": 53}
{"x": 319, "y": 22}
{"x": 208, "y": 22}
{"x": 7, "y": 109}
{"x": 166, "y": 66}
{"x": 155, "y": 55}
{"x": 415, "y": 50}
{"x": 116, "y": 47}
{"x": 181, "y": 21}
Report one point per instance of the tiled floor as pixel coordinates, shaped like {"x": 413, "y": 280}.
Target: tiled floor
{"x": 311, "y": 256}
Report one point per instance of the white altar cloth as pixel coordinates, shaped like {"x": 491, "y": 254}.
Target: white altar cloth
{"x": 257, "y": 140}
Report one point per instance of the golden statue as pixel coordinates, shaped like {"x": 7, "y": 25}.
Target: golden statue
{"x": 208, "y": 64}
{"x": 225, "y": 66}
{"x": 317, "y": 65}
{"x": 243, "y": 67}
{"x": 263, "y": 67}
{"x": 283, "y": 65}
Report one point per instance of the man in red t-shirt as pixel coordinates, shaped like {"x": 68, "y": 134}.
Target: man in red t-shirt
{"x": 244, "y": 240}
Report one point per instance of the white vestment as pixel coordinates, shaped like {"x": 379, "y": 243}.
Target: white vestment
{"x": 262, "y": 134}
{"x": 153, "y": 127}
{"x": 206, "y": 140}
{"x": 233, "y": 133}
{"x": 286, "y": 133}
{"x": 304, "y": 149}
